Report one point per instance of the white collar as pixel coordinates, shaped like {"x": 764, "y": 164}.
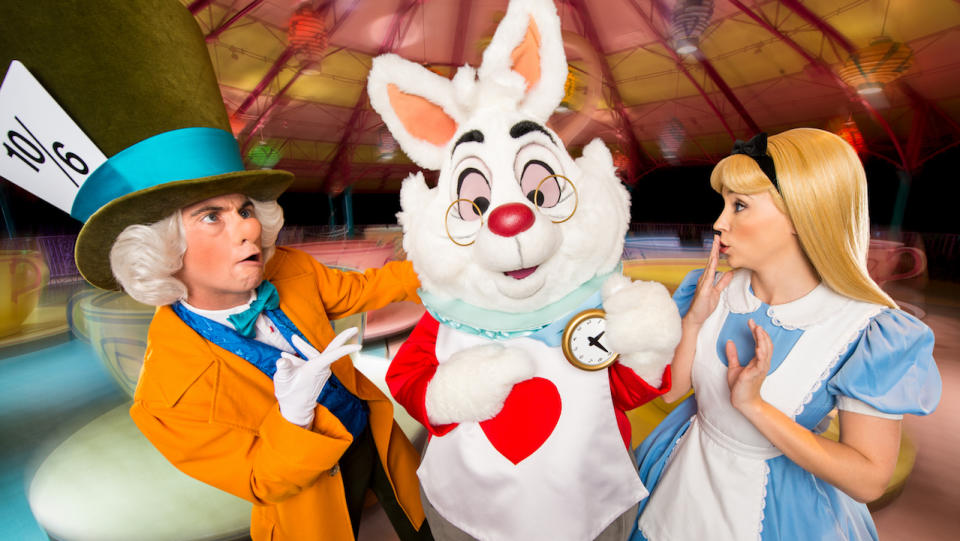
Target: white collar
{"x": 221, "y": 316}
{"x": 810, "y": 309}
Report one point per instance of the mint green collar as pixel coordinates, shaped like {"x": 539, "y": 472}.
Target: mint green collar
{"x": 497, "y": 324}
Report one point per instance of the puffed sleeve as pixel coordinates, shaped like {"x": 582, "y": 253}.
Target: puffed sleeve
{"x": 683, "y": 296}
{"x": 890, "y": 367}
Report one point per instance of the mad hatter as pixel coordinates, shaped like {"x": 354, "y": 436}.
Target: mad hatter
{"x": 244, "y": 385}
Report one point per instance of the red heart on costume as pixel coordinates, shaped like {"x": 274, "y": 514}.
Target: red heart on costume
{"x": 527, "y": 419}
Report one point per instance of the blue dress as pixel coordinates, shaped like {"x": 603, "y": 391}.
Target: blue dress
{"x": 889, "y": 367}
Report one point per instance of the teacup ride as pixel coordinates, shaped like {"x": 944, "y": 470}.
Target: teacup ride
{"x": 890, "y": 260}
{"x": 116, "y": 327}
{"x": 23, "y": 276}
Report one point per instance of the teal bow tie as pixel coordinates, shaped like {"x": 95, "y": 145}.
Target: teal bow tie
{"x": 267, "y": 299}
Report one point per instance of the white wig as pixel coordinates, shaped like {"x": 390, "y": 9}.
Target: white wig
{"x": 144, "y": 258}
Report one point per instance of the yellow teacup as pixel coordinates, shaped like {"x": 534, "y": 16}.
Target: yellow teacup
{"x": 669, "y": 271}
{"x": 23, "y": 274}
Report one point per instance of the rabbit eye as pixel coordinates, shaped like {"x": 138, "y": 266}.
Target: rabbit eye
{"x": 540, "y": 192}
{"x": 533, "y": 166}
{"x": 473, "y": 191}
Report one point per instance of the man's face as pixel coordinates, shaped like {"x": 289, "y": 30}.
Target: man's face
{"x": 223, "y": 262}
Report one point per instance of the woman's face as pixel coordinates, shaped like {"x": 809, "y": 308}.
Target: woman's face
{"x": 753, "y": 231}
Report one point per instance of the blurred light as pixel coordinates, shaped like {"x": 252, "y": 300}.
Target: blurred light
{"x": 263, "y": 155}
{"x": 572, "y": 95}
{"x": 307, "y": 34}
{"x": 671, "y": 139}
{"x": 386, "y": 144}
{"x": 850, "y": 133}
{"x": 621, "y": 162}
{"x": 690, "y": 19}
{"x": 873, "y": 67}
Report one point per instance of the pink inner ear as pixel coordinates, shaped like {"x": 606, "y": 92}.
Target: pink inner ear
{"x": 422, "y": 118}
{"x": 526, "y": 57}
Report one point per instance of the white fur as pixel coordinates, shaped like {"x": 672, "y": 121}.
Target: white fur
{"x": 410, "y": 78}
{"x": 642, "y": 324}
{"x": 541, "y": 99}
{"x": 474, "y": 383}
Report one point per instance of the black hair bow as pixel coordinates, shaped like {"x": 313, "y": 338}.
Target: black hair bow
{"x": 756, "y": 148}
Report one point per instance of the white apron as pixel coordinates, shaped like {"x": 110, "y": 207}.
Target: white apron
{"x": 714, "y": 484}
{"x": 570, "y": 487}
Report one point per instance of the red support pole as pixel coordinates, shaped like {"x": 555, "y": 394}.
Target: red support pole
{"x": 278, "y": 65}
{"x": 637, "y": 156}
{"x": 818, "y": 23}
{"x": 662, "y": 40}
{"x": 460, "y": 37}
{"x": 837, "y": 37}
{"x": 727, "y": 92}
{"x": 215, "y": 33}
{"x": 197, "y": 5}
{"x": 359, "y": 112}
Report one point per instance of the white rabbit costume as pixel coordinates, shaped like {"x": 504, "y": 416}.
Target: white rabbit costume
{"x": 514, "y": 240}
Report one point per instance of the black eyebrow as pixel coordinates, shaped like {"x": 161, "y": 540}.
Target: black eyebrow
{"x": 525, "y": 126}
{"x": 472, "y": 136}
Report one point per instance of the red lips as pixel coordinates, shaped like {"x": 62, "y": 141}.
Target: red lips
{"x": 520, "y": 274}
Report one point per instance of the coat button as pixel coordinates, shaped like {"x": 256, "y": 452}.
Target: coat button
{"x": 334, "y": 470}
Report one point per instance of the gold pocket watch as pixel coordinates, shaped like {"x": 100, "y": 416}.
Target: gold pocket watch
{"x": 584, "y": 341}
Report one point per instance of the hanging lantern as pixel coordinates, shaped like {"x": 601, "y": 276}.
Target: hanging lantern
{"x": 870, "y": 69}
{"x": 386, "y": 144}
{"x": 307, "y": 34}
{"x": 621, "y": 162}
{"x": 850, "y": 133}
{"x": 690, "y": 19}
{"x": 263, "y": 155}
{"x": 671, "y": 139}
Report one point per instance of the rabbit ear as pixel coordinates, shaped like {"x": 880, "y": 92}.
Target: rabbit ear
{"x": 528, "y": 42}
{"x": 417, "y": 106}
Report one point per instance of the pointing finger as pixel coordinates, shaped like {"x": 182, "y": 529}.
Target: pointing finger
{"x": 304, "y": 347}
{"x": 342, "y": 338}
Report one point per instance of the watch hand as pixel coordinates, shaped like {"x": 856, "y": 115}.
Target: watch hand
{"x": 595, "y": 341}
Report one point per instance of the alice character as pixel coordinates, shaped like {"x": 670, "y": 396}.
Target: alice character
{"x": 797, "y": 329}
{"x": 244, "y": 385}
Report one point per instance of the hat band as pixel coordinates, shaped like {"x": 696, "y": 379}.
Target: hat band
{"x": 182, "y": 154}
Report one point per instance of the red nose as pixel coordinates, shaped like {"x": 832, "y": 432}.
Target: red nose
{"x": 511, "y": 219}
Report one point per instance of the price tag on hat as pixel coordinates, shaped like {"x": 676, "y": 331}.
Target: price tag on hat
{"x": 42, "y": 149}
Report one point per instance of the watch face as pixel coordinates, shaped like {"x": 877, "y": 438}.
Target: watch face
{"x": 585, "y": 343}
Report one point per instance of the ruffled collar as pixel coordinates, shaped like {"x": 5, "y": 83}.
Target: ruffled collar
{"x": 812, "y": 308}
{"x": 497, "y": 324}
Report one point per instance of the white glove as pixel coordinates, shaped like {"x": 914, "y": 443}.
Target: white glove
{"x": 643, "y": 325}
{"x": 298, "y": 382}
{"x": 475, "y": 382}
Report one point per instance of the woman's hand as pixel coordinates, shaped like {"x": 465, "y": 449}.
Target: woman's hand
{"x": 745, "y": 381}
{"x": 708, "y": 288}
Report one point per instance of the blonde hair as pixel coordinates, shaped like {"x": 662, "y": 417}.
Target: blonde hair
{"x": 144, "y": 258}
{"x": 823, "y": 190}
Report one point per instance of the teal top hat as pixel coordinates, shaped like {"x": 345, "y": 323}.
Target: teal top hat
{"x": 136, "y": 77}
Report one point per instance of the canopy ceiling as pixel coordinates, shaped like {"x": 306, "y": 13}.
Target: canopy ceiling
{"x": 761, "y": 65}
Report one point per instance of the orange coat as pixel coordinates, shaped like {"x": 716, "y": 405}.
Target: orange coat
{"x": 214, "y": 415}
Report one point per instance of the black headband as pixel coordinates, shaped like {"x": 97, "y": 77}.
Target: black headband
{"x": 756, "y": 148}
